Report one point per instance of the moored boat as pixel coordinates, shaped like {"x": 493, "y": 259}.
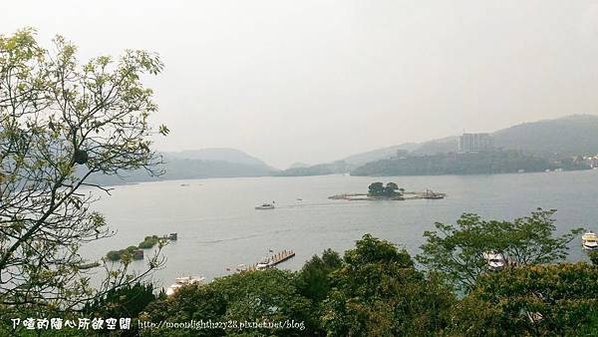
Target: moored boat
{"x": 429, "y": 194}
{"x": 589, "y": 241}
{"x": 183, "y": 281}
{"x": 495, "y": 261}
{"x": 264, "y": 264}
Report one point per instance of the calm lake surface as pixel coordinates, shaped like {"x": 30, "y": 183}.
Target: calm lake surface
{"x": 219, "y": 228}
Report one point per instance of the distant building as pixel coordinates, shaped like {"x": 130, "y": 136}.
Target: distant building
{"x": 475, "y": 142}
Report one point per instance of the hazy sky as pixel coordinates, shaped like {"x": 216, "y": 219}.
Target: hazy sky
{"x": 316, "y": 80}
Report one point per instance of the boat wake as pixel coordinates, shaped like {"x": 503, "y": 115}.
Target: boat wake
{"x": 244, "y": 237}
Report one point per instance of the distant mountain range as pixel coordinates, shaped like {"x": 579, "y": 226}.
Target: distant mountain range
{"x": 485, "y": 162}
{"x": 315, "y": 170}
{"x": 567, "y": 136}
{"x": 386, "y": 152}
{"x": 571, "y": 135}
{"x": 217, "y": 154}
{"x": 204, "y": 163}
{"x": 528, "y": 147}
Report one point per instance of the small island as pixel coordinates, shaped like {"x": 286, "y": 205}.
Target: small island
{"x": 390, "y": 191}
{"x": 136, "y": 252}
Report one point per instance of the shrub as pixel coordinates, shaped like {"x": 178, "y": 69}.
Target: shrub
{"x": 114, "y": 255}
{"x": 149, "y": 242}
{"x": 593, "y": 257}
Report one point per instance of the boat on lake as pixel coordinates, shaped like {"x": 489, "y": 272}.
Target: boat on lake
{"x": 589, "y": 241}
{"x": 429, "y": 194}
{"x": 265, "y": 206}
{"x": 264, "y": 264}
{"x": 269, "y": 261}
{"x": 495, "y": 261}
{"x": 274, "y": 259}
{"x": 183, "y": 281}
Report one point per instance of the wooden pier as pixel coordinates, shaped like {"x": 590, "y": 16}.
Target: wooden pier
{"x": 269, "y": 261}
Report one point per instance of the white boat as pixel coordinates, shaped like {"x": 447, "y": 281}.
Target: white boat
{"x": 495, "y": 261}
{"x": 183, "y": 281}
{"x": 589, "y": 241}
{"x": 535, "y": 317}
{"x": 267, "y": 262}
{"x": 265, "y": 206}
{"x": 263, "y": 265}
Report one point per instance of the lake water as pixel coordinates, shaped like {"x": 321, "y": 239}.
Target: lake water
{"x": 219, "y": 228}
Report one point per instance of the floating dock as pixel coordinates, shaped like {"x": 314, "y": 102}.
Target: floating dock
{"x": 269, "y": 261}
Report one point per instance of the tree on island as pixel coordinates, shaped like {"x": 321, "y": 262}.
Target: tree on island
{"x": 391, "y": 189}
{"x": 376, "y": 189}
{"x": 62, "y": 122}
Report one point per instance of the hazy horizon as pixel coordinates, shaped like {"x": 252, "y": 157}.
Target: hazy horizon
{"x": 319, "y": 80}
{"x": 331, "y": 159}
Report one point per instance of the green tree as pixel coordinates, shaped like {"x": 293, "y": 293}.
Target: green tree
{"x": 199, "y": 302}
{"x": 531, "y": 300}
{"x": 391, "y": 190}
{"x": 378, "y": 292}
{"x": 376, "y": 189}
{"x": 62, "y": 122}
{"x": 127, "y": 301}
{"x": 457, "y": 251}
{"x": 263, "y": 296}
{"x": 313, "y": 280}
{"x": 593, "y": 255}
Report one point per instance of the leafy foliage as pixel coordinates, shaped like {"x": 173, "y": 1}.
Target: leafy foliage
{"x": 268, "y": 295}
{"x": 531, "y": 300}
{"x": 62, "y": 122}
{"x": 378, "y": 189}
{"x": 378, "y": 292}
{"x": 375, "y": 290}
{"x": 149, "y": 242}
{"x": 127, "y": 301}
{"x": 131, "y": 252}
{"x": 593, "y": 257}
{"x": 314, "y": 278}
{"x": 314, "y": 282}
{"x": 457, "y": 251}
